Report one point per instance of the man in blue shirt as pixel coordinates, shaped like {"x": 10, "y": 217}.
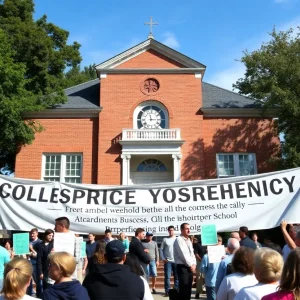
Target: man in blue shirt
{"x": 4, "y": 259}
{"x": 232, "y": 245}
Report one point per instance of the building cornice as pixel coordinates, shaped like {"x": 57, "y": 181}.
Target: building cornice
{"x": 238, "y": 112}
{"x": 64, "y": 113}
{"x": 152, "y": 71}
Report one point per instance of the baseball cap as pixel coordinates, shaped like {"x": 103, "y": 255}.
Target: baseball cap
{"x": 149, "y": 234}
{"x": 115, "y": 248}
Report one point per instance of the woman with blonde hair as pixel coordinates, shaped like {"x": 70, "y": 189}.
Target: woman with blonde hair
{"x": 268, "y": 265}
{"x": 289, "y": 287}
{"x": 61, "y": 267}
{"x": 17, "y": 276}
{"x": 124, "y": 240}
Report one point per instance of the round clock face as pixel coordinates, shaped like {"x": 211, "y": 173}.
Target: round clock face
{"x": 151, "y": 119}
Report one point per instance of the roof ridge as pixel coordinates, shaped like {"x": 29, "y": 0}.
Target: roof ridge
{"x": 71, "y": 87}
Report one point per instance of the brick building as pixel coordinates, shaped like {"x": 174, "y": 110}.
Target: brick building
{"x": 149, "y": 117}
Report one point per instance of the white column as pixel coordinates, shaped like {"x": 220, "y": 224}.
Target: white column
{"x": 125, "y": 168}
{"x": 176, "y": 167}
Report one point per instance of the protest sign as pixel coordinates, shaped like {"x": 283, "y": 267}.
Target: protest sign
{"x": 64, "y": 241}
{"x": 21, "y": 243}
{"x": 209, "y": 235}
{"x": 215, "y": 253}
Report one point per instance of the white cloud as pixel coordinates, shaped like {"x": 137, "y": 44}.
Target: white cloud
{"x": 170, "y": 40}
{"x": 227, "y": 77}
{"x": 235, "y": 70}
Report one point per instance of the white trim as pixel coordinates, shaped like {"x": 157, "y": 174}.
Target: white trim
{"x": 198, "y": 75}
{"x": 235, "y": 162}
{"x": 103, "y": 75}
{"x": 152, "y": 71}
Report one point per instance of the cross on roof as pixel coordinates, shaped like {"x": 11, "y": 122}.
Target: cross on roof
{"x": 151, "y": 23}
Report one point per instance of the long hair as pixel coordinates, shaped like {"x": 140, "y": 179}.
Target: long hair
{"x": 290, "y": 278}
{"x": 17, "y": 274}
{"x": 98, "y": 257}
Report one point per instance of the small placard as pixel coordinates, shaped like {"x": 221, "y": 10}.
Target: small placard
{"x": 209, "y": 235}
{"x": 215, "y": 253}
{"x": 21, "y": 243}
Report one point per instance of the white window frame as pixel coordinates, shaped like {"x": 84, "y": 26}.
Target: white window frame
{"x": 235, "y": 163}
{"x": 63, "y": 163}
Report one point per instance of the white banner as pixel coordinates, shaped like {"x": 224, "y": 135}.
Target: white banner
{"x": 258, "y": 201}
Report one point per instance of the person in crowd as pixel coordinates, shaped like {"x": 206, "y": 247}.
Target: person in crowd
{"x": 33, "y": 247}
{"x": 123, "y": 238}
{"x": 134, "y": 265}
{"x": 9, "y": 247}
{"x": 292, "y": 233}
{"x": 61, "y": 267}
{"x": 242, "y": 276}
{"x": 44, "y": 249}
{"x": 245, "y": 240}
{"x": 108, "y": 236}
{"x": 62, "y": 225}
{"x": 17, "y": 274}
{"x": 152, "y": 248}
{"x": 185, "y": 261}
{"x": 98, "y": 257}
{"x": 90, "y": 249}
{"x": 235, "y": 235}
{"x": 167, "y": 256}
{"x": 255, "y": 240}
{"x": 114, "y": 280}
{"x": 292, "y": 244}
{"x": 268, "y": 243}
{"x": 289, "y": 287}
{"x": 199, "y": 253}
{"x": 138, "y": 250}
{"x": 210, "y": 274}
{"x": 4, "y": 259}
{"x": 232, "y": 246}
{"x": 268, "y": 265}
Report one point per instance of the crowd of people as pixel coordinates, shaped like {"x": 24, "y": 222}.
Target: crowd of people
{"x": 123, "y": 267}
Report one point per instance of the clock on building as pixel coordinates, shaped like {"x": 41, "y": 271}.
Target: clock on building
{"x": 151, "y": 117}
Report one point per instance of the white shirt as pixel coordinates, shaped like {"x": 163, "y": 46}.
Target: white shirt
{"x": 256, "y": 292}
{"x": 184, "y": 252}
{"x": 233, "y": 283}
{"x": 147, "y": 293}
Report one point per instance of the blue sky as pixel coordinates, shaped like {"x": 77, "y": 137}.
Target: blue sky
{"x": 213, "y": 32}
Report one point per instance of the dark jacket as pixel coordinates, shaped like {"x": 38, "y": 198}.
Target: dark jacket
{"x": 247, "y": 242}
{"x": 113, "y": 281}
{"x": 136, "y": 248}
{"x": 42, "y": 257}
{"x": 69, "y": 290}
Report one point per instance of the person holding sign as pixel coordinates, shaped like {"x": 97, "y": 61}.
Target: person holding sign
{"x": 17, "y": 275}
{"x": 185, "y": 261}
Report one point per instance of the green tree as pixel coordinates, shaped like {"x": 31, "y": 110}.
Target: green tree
{"x": 76, "y": 76}
{"x": 34, "y": 56}
{"x": 272, "y": 78}
{"x": 14, "y": 100}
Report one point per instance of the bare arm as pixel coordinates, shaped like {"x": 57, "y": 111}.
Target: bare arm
{"x": 286, "y": 235}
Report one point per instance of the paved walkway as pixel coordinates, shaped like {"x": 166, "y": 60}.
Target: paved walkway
{"x": 160, "y": 295}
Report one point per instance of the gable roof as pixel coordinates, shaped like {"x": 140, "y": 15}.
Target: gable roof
{"x": 217, "y": 97}
{"x": 148, "y": 44}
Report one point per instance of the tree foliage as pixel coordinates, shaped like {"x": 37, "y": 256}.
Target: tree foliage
{"x": 76, "y": 76}
{"x": 273, "y": 78}
{"x": 33, "y": 58}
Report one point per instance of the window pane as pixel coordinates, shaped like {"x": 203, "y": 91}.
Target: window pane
{"x": 73, "y": 168}
{"x": 246, "y": 164}
{"x": 225, "y": 165}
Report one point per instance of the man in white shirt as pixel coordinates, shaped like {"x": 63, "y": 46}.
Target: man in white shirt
{"x": 185, "y": 261}
{"x": 167, "y": 256}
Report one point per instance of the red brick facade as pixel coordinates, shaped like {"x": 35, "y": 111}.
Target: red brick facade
{"x": 181, "y": 94}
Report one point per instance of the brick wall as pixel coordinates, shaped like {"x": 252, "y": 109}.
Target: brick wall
{"x": 61, "y": 135}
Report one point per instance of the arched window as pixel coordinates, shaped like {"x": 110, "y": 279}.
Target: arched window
{"x": 151, "y": 115}
{"x": 151, "y": 165}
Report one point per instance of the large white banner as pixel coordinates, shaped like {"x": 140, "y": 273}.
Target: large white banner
{"x": 257, "y": 201}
